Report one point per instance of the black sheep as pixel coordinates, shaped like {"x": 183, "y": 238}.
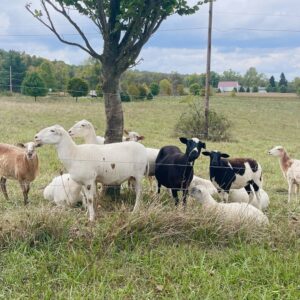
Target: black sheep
{"x": 174, "y": 169}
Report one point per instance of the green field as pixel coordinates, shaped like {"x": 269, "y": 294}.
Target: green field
{"x": 52, "y": 253}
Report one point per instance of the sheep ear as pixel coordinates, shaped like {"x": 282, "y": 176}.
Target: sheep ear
{"x": 203, "y": 145}
{"x": 225, "y": 155}
{"x": 183, "y": 140}
{"x": 140, "y": 138}
{"x": 20, "y": 145}
{"x": 206, "y": 153}
{"x": 126, "y": 132}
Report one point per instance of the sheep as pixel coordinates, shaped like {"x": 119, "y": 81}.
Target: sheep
{"x": 205, "y": 183}
{"x": 63, "y": 191}
{"x": 229, "y": 212}
{"x": 234, "y": 174}
{"x": 290, "y": 169}
{"x": 110, "y": 164}
{"x": 132, "y": 136}
{"x": 174, "y": 169}
{"x": 86, "y": 130}
{"x": 241, "y": 195}
{"x": 20, "y": 163}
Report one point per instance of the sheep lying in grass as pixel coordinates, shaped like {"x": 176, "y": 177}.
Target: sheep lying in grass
{"x": 20, "y": 163}
{"x": 204, "y": 183}
{"x": 63, "y": 191}
{"x": 290, "y": 169}
{"x": 229, "y": 212}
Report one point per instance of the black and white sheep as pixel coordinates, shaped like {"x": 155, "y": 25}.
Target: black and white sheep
{"x": 174, "y": 169}
{"x": 235, "y": 173}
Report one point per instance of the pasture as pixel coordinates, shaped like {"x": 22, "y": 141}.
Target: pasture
{"x": 47, "y": 252}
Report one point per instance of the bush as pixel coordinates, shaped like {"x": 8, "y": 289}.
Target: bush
{"x": 192, "y": 124}
{"x": 248, "y": 90}
{"x": 283, "y": 89}
{"x": 180, "y": 90}
{"x": 77, "y": 87}
{"x": 255, "y": 89}
{"x": 195, "y": 89}
{"x": 125, "y": 97}
{"x": 149, "y": 96}
{"x": 242, "y": 90}
{"x": 143, "y": 91}
{"x": 99, "y": 90}
{"x": 154, "y": 89}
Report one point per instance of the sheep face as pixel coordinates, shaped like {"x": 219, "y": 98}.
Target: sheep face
{"x": 215, "y": 157}
{"x": 193, "y": 147}
{"x": 199, "y": 193}
{"x": 80, "y": 129}
{"x": 50, "y": 135}
{"x": 132, "y": 136}
{"x": 29, "y": 149}
{"x": 277, "y": 151}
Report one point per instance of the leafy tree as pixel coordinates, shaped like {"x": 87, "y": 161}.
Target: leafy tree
{"x": 231, "y": 75}
{"x": 272, "y": 82}
{"x": 282, "y": 89}
{"x": 133, "y": 91}
{"x": 33, "y": 85}
{"x": 176, "y": 79}
{"x": 241, "y": 89}
{"x": 125, "y": 97}
{"x": 46, "y": 72}
{"x": 214, "y": 79}
{"x": 253, "y": 78}
{"x": 165, "y": 87}
{"x": 180, "y": 90}
{"x": 143, "y": 91}
{"x": 282, "y": 81}
{"x": 255, "y": 89}
{"x": 99, "y": 90}
{"x": 194, "y": 78}
{"x": 149, "y": 96}
{"x": 77, "y": 87}
{"x": 248, "y": 90}
{"x": 154, "y": 88}
{"x": 125, "y": 26}
{"x": 195, "y": 89}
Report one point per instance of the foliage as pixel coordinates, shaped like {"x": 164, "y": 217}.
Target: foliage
{"x": 282, "y": 81}
{"x": 195, "y": 89}
{"x": 46, "y": 72}
{"x": 165, "y": 87}
{"x": 192, "y": 123}
{"x": 255, "y": 89}
{"x": 282, "y": 89}
{"x": 241, "y": 89}
{"x": 33, "y": 85}
{"x": 253, "y": 78}
{"x": 231, "y": 75}
{"x": 149, "y": 96}
{"x": 180, "y": 90}
{"x": 77, "y": 87}
{"x": 272, "y": 82}
{"x": 99, "y": 90}
{"x": 143, "y": 91}
{"x": 154, "y": 88}
{"x": 248, "y": 90}
{"x": 298, "y": 91}
{"x": 133, "y": 91}
{"x": 233, "y": 93}
{"x": 125, "y": 97}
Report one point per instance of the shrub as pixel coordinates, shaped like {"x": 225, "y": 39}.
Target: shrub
{"x": 192, "y": 123}
{"x": 77, "y": 87}
{"x": 154, "y": 88}
{"x": 149, "y": 96}
{"x": 195, "y": 89}
{"x": 143, "y": 91}
{"x": 133, "y": 91}
{"x": 248, "y": 90}
{"x": 255, "y": 89}
{"x": 99, "y": 90}
{"x": 180, "y": 90}
{"x": 242, "y": 90}
{"x": 283, "y": 89}
{"x": 165, "y": 87}
{"x": 34, "y": 85}
{"x": 125, "y": 97}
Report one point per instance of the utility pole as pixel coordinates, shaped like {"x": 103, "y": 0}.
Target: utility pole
{"x": 10, "y": 80}
{"x": 207, "y": 83}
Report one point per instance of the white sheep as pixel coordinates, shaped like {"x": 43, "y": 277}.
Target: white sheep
{"x": 110, "y": 164}
{"x": 63, "y": 191}
{"x": 20, "y": 163}
{"x": 229, "y": 212}
{"x": 86, "y": 130}
{"x": 241, "y": 195}
{"x": 290, "y": 169}
{"x": 204, "y": 183}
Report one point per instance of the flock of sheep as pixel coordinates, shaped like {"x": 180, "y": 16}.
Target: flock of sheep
{"x": 237, "y": 180}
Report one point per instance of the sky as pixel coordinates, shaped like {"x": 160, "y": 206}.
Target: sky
{"x": 256, "y": 33}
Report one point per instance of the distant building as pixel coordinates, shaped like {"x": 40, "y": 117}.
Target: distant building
{"x": 228, "y": 86}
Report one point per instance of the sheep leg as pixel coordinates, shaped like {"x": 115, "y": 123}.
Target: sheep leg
{"x": 3, "y": 187}
{"x": 25, "y": 190}
{"x": 90, "y": 191}
{"x": 290, "y": 183}
{"x": 138, "y": 191}
{"x": 184, "y": 196}
{"x": 158, "y": 187}
{"x": 175, "y": 196}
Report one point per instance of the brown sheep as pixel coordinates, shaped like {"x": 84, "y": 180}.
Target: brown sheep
{"x": 20, "y": 163}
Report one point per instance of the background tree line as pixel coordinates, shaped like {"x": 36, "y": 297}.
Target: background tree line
{"x": 56, "y": 76}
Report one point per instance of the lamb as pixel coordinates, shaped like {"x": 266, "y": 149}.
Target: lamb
{"x": 290, "y": 169}
{"x": 204, "y": 183}
{"x": 110, "y": 164}
{"x": 132, "y": 136}
{"x": 64, "y": 191}
{"x": 174, "y": 169}
{"x": 229, "y": 212}
{"x": 234, "y": 173}
{"x": 86, "y": 130}
{"x": 20, "y": 163}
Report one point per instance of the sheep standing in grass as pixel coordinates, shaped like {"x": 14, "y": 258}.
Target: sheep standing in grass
{"x": 229, "y": 212}
{"x": 63, "y": 191}
{"x": 86, "y": 130}
{"x": 290, "y": 169}
{"x": 174, "y": 169}
{"x": 19, "y": 163}
{"x": 110, "y": 164}
{"x": 236, "y": 173}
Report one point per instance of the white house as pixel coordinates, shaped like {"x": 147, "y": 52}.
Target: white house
{"x": 228, "y": 86}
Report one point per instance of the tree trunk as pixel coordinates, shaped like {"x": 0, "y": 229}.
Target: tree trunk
{"x": 34, "y": 98}
{"x": 114, "y": 116}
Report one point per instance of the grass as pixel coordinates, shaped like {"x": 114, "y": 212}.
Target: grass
{"x": 163, "y": 253}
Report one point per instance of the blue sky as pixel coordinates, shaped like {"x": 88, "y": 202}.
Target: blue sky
{"x": 260, "y": 34}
